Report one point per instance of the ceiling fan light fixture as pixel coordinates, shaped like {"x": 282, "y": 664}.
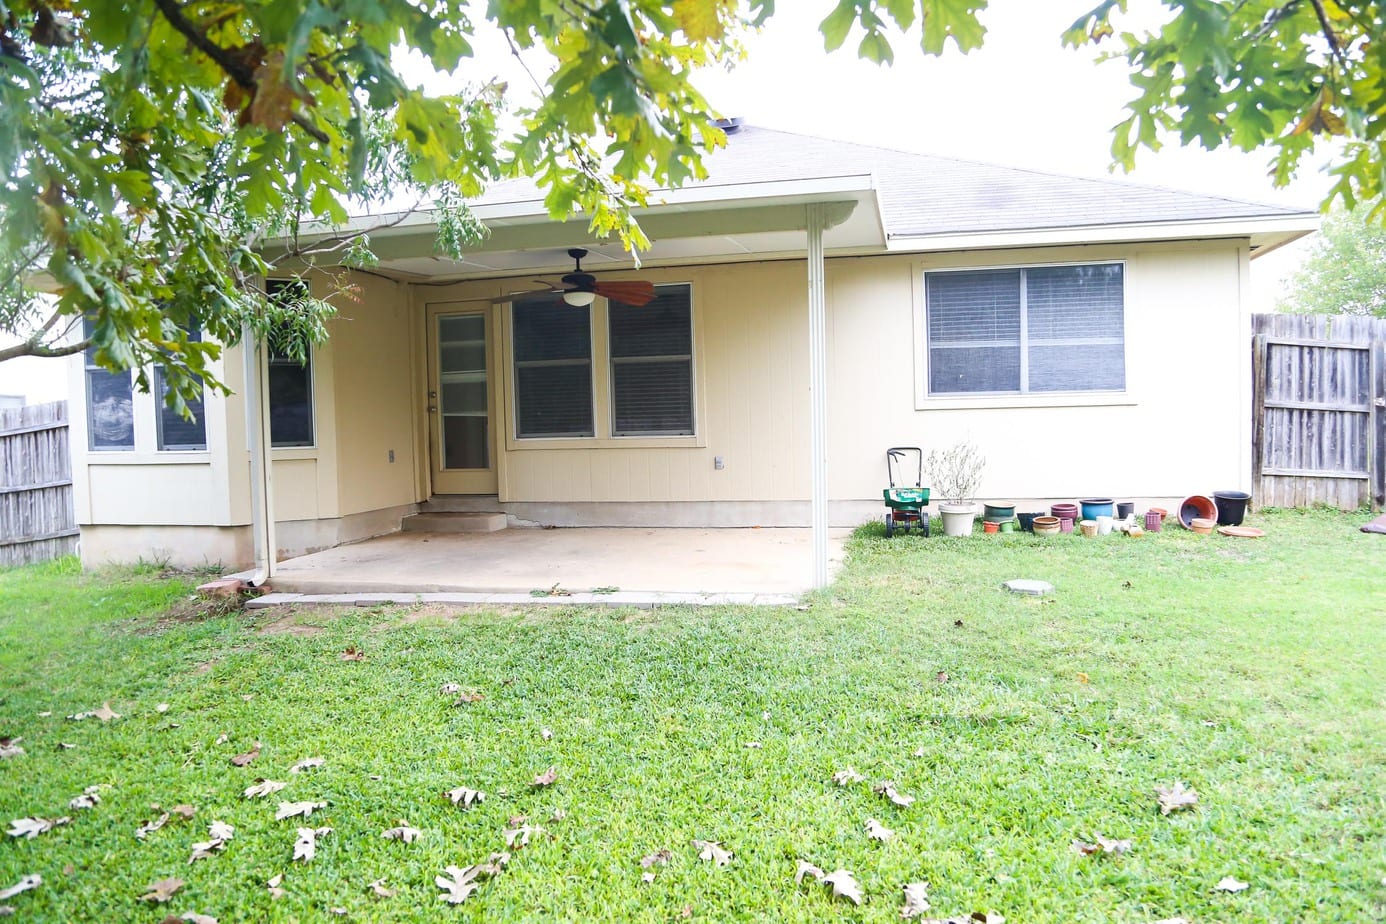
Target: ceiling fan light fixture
{"x": 579, "y": 299}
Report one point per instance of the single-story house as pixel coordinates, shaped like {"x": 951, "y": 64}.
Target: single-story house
{"x": 817, "y": 302}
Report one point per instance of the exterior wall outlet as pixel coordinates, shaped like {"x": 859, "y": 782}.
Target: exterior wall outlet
{"x": 718, "y": 463}
{"x": 392, "y": 455}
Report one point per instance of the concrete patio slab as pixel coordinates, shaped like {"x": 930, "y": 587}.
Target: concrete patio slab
{"x": 635, "y": 566}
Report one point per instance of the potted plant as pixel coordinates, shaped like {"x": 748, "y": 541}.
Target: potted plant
{"x": 955, "y": 474}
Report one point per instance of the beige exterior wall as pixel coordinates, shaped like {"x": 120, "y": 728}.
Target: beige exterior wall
{"x": 1182, "y": 426}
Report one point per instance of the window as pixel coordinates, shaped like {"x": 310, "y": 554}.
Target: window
{"x": 553, "y": 368}
{"x": 290, "y": 383}
{"x": 652, "y": 365}
{"x": 177, "y": 433}
{"x": 110, "y": 404}
{"x": 1034, "y": 330}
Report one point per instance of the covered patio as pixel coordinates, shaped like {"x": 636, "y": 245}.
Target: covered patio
{"x": 635, "y": 566}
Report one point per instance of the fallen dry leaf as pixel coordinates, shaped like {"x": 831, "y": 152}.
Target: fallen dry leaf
{"x": 105, "y": 714}
{"x": 1104, "y": 845}
{"x": 402, "y": 833}
{"x": 149, "y": 827}
{"x": 887, "y": 789}
{"x": 307, "y": 763}
{"x": 754, "y": 745}
{"x": 45, "y": 714}
{"x": 306, "y": 846}
{"x": 919, "y": 752}
{"x": 516, "y": 838}
{"x": 241, "y": 760}
{"x": 30, "y": 828}
{"x": 465, "y": 797}
{"x": 916, "y": 900}
{"x": 353, "y": 654}
{"x": 456, "y": 883}
{"x": 941, "y": 677}
{"x": 1173, "y": 798}
{"x": 469, "y": 696}
{"x": 547, "y": 778}
{"x": 877, "y": 831}
{"x": 161, "y": 708}
{"x": 1082, "y": 677}
{"x": 204, "y": 849}
{"x": 221, "y": 739}
{"x": 31, "y": 881}
{"x": 221, "y": 831}
{"x": 9, "y": 747}
{"x": 272, "y": 884}
{"x": 843, "y": 885}
{"x": 263, "y": 788}
{"x": 88, "y": 799}
{"x": 183, "y": 810}
{"x": 192, "y": 917}
{"x": 847, "y": 777}
{"x": 558, "y": 814}
{"x": 1231, "y": 884}
{"x": 806, "y": 869}
{"x": 545, "y": 734}
{"x": 380, "y": 890}
{"x": 162, "y": 890}
{"x": 713, "y": 852}
{"x": 292, "y": 809}
{"x": 660, "y": 857}
{"x": 450, "y": 688}
{"x": 64, "y": 746}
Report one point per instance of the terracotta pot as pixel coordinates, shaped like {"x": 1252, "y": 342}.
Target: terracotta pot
{"x": 991, "y": 526}
{"x": 1045, "y": 526}
{"x": 1203, "y": 525}
{"x": 1197, "y": 506}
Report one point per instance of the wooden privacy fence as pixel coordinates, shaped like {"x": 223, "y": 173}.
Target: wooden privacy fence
{"x": 1320, "y": 411}
{"x": 36, "y": 517}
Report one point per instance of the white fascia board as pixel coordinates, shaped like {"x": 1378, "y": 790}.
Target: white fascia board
{"x": 698, "y": 197}
{"x": 1272, "y": 232}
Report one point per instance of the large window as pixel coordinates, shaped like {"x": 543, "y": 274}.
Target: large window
{"x": 176, "y": 432}
{"x": 553, "y": 368}
{"x": 1038, "y": 329}
{"x": 290, "y": 383}
{"x": 110, "y": 404}
{"x": 652, "y": 365}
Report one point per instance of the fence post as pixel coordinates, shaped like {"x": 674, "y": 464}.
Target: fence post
{"x": 1376, "y": 426}
{"x": 1258, "y": 415}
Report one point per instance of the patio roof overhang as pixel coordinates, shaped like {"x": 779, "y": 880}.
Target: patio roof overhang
{"x": 702, "y": 224}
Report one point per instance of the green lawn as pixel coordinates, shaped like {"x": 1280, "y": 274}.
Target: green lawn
{"x": 1251, "y": 671}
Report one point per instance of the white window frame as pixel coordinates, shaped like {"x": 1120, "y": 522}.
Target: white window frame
{"x": 924, "y": 399}
{"x": 691, "y": 357}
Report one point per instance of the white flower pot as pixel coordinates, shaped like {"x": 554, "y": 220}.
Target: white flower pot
{"x": 957, "y": 518}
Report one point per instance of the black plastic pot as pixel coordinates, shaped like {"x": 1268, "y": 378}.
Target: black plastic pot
{"x": 1125, "y": 509}
{"x": 1231, "y": 507}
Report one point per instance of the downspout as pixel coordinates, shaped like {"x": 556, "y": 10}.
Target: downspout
{"x": 818, "y": 393}
{"x": 261, "y": 472}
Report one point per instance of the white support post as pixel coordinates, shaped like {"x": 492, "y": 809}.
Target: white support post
{"x": 261, "y": 470}
{"x": 816, "y": 221}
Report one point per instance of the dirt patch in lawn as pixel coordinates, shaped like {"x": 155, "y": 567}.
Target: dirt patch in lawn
{"x": 289, "y": 623}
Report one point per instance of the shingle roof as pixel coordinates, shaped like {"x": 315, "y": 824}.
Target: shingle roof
{"x": 924, "y": 194}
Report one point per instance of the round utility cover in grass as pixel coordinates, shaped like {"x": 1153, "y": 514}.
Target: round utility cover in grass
{"x": 1027, "y": 586}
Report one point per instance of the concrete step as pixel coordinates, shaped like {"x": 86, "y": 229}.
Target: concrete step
{"x": 469, "y": 522}
{"x": 461, "y": 503}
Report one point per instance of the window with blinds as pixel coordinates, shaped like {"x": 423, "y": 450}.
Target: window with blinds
{"x": 553, "y": 368}
{"x": 652, "y": 365}
{"x": 1034, "y": 330}
{"x": 290, "y": 391}
{"x": 177, "y": 433}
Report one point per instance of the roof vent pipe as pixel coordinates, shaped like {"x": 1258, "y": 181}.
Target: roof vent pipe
{"x": 730, "y": 126}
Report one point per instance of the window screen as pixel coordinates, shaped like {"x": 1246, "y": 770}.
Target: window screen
{"x": 553, "y": 368}
{"x": 1040, "y": 329}
{"x": 290, "y": 384}
{"x": 652, "y": 365}
{"x": 177, "y": 433}
{"x": 110, "y": 404}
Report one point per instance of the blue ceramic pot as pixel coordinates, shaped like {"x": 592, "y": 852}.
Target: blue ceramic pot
{"x": 1094, "y": 507}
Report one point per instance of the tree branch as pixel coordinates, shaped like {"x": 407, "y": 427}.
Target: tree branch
{"x": 338, "y": 241}
{"x": 1328, "y": 32}
{"x": 30, "y": 348}
{"x": 237, "y": 70}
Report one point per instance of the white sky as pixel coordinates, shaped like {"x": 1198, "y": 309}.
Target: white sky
{"x": 1022, "y": 100}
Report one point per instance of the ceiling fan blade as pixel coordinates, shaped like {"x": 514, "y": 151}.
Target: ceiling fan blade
{"x": 634, "y": 292}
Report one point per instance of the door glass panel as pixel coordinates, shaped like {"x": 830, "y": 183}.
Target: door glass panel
{"x": 463, "y": 395}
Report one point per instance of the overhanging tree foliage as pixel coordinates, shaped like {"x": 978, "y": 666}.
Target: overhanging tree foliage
{"x": 148, "y": 148}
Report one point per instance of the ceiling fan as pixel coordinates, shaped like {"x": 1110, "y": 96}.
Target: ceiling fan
{"x": 580, "y": 288}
